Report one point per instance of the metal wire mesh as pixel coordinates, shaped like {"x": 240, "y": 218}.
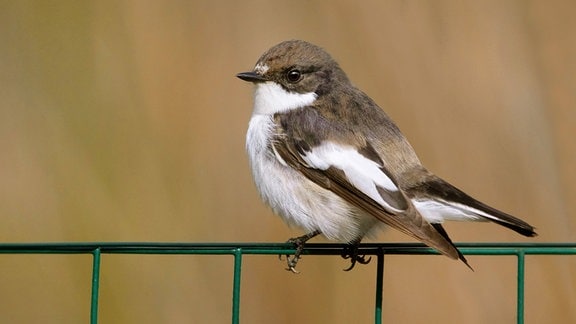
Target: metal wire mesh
{"x": 237, "y": 250}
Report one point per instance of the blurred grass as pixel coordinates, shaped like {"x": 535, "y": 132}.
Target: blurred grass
{"x": 122, "y": 121}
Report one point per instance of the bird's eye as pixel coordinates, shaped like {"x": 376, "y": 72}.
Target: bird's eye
{"x": 293, "y": 76}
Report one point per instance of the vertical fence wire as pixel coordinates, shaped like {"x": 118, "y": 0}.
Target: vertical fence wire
{"x": 379, "y": 287}
{"x": 95, "y": 286}
{"x": 520, "y": 288}
{"x": 236, "y": 286}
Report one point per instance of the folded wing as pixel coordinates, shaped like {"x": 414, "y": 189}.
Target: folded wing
{"x": 357, "y": 175}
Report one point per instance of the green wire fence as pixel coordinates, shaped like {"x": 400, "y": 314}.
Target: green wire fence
{"x": 237, "y": 250}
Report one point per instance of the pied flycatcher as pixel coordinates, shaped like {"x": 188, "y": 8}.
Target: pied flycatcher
{"x": 326, "y": 158}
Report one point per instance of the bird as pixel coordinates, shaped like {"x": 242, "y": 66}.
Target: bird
{"x": 327, "y": 159}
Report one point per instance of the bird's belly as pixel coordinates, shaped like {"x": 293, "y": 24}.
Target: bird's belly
{"x": 296, "y": 199}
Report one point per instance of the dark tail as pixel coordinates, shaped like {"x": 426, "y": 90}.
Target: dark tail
{"x": 451, "y": 194}
{"x": 441, "y": 230}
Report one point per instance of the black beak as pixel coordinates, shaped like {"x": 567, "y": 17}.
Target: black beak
{"x": 251, "y": 77}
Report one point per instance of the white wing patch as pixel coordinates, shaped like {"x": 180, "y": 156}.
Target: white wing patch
{"x": 271, "y": 98}
{"x": 439, "y": 211}
{"x": 361, "y": 172}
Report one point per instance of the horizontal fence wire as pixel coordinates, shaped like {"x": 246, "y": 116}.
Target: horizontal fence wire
{"x": 237, "y": 250}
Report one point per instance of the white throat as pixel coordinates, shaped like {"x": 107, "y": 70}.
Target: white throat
{"x": 271, "y": 98}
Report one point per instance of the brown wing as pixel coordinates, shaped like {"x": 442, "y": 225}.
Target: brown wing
{"x": 407, "y": 220}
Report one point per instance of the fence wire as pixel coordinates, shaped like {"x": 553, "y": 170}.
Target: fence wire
{"x": 237, "y": 250}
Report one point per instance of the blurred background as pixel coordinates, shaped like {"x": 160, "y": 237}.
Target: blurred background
{"x": 123, "y": 121}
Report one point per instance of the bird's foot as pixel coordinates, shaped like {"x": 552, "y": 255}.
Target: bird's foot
{"x": 351, "y": 252}
{"x": 299, "y": 243}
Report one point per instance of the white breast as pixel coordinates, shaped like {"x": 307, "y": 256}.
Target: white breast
{"x": 295, "y": 198}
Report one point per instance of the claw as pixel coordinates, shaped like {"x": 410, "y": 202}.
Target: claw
{"x": 358, "y": 259}
{"x": 299, "y": 242}
{"x": 354, "y": 257}
{"x": 291, "y": 262}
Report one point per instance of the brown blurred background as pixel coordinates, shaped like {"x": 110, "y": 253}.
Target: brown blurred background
{"x": 123, "y": 121}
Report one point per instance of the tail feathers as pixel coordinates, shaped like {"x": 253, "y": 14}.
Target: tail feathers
{"x": 505, "y": 220}
{"x": 442, "y": 190}
{"x": 442, "y": 232}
